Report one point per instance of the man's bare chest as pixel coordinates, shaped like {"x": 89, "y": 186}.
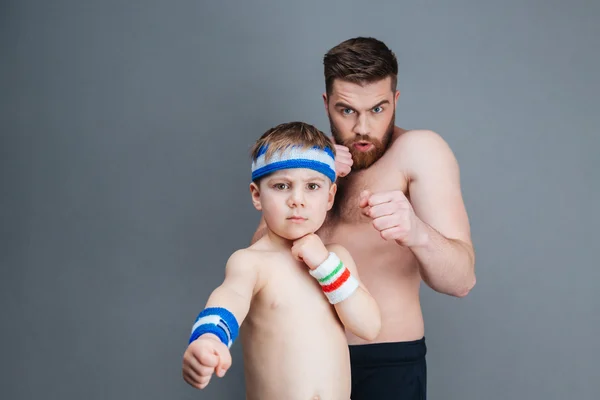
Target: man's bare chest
{"x": 346, "y": 208}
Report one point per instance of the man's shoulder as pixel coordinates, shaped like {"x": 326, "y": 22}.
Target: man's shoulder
{"x": 420, "y": 149}
{"x": 416, "y": 139}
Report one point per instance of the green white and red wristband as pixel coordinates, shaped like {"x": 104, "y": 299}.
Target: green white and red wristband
{"x": 335, "y": 279}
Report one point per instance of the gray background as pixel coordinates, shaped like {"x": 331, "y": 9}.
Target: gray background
{"x": 124, "y": 166}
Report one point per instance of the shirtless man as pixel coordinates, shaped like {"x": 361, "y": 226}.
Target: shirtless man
{"x": 291, "y": 295}
{"x": 398, "y": 210}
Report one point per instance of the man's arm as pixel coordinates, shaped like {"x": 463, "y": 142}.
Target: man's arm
{"x": 444, "y": 249}
{"x": 261, "y": 229}
{"x": 359, "y": 313}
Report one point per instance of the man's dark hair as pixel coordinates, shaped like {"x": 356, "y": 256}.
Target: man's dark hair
{"x": 360, "y": 60}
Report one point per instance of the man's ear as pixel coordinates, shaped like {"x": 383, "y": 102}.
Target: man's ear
{"x": 396, "y": 96}
{"x": 331, "y": 195}
{"x": 325, "y": 102}
{"x": 255, "y": 193}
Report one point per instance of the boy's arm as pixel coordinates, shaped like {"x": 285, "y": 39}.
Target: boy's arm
{"x": 261, "y": 229}
{"x": 359, "y": 312}
{"x": 235, "y": 293}
{"x": 228, "y": 304}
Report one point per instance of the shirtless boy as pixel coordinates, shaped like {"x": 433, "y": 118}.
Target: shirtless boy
{"x": 293, "y": 296}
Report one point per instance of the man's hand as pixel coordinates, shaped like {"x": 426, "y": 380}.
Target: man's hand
{"x": 393, "y": 217}
{"x": 343, "y": 159}
{"x": 203, "y": 357}
{"x": 311, "y": 250}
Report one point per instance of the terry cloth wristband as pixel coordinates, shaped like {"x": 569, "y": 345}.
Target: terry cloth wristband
{"x": 218, "y": 321}
{"x": 335, "y": 279}
{"x": 315, "y": 158}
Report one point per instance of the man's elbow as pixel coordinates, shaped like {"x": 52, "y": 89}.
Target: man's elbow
{"x": 465, "y": 290}
{"x": 469, "y": 282}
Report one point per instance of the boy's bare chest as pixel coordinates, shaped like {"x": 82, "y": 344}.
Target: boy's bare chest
{"x": 289, "y": 288}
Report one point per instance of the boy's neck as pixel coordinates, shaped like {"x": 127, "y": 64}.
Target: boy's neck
{"x": 277, "y": 241}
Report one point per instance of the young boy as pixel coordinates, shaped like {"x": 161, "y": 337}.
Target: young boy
{"x": 292, "y": 295}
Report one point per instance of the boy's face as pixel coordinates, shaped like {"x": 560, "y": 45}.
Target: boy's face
{"x": 294, "y": 201}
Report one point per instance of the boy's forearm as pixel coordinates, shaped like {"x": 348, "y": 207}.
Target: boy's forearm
{"x": 354, "y": 305}
{"x": 360, "y": 314}
{"x": 229, "y": 298}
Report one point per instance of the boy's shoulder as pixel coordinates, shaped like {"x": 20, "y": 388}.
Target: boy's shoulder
{"x": 241, "y": 256}
{"x": 252, "y": 256}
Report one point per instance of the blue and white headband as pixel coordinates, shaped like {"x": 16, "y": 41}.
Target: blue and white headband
{"x": 315, "y": 158}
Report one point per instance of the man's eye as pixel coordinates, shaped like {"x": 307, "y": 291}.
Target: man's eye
{"x": 347, "y": 111}
{"x": 377, "y": 110}
{"x": 281, "y": 186}
{"x": 313, "y": 186}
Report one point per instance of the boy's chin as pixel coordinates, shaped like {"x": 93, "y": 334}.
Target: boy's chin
{"x": 296, "y": 234}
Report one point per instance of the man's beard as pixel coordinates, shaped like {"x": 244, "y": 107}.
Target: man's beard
{"x": 364, "y": 159}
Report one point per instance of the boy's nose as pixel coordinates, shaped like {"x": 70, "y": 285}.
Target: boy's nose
{"x": 296, "y": 199}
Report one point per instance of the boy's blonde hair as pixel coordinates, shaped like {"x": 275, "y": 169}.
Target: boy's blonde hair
{"x": 290, "y": 134}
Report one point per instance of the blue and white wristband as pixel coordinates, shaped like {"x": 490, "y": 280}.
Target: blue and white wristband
{"x": 218, "y": 321}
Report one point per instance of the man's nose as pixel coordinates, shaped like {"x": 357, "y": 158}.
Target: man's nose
{"x": 362, "y": 125}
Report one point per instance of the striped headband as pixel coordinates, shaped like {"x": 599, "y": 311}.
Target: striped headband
{"x": 315, "y": 158}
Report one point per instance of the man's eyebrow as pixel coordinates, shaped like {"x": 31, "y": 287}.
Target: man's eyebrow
{"x": 344, "y": 105}
{"x": 382, "y": 102}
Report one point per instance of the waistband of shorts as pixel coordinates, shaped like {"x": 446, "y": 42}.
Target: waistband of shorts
{"x": 388, "y": 352}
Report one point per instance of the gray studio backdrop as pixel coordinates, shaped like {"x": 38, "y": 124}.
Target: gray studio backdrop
{"x": 124, "y": 162}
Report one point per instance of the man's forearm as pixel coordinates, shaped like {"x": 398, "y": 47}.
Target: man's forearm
{"x": 446, "y": 265}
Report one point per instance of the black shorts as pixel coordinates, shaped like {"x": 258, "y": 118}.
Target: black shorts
{"x": 385, "y": 371}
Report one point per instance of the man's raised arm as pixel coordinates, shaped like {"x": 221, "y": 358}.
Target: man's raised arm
{"x": 445, "y": 252}
{"x": 431, "y": 218}
{"x": 261, "y": 229}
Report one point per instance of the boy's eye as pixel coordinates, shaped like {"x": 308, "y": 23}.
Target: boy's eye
{"x": 313, "y": 186}
{"x": 281, "y": 186}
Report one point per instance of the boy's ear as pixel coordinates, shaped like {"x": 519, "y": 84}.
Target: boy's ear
{"x": 255, "y": 193}
{"x": 331, "y": 198}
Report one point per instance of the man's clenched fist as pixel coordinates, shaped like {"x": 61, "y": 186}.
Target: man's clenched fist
{"x": 393, "y": 216}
